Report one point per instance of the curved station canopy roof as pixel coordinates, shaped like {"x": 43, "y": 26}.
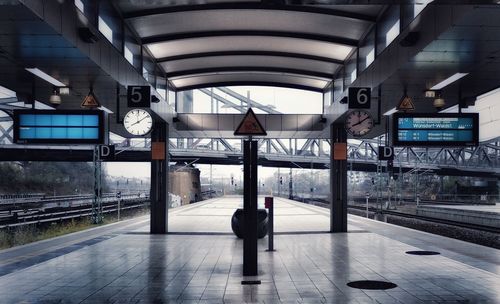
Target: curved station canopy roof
{"x": 249, "y": 43}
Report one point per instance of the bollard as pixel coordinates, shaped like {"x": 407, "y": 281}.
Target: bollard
{"x": 367, "y": 195}
{"x": 269, "y": 204}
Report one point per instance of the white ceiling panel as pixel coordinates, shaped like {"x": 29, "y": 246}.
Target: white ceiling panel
{"x": 249, "y": 43}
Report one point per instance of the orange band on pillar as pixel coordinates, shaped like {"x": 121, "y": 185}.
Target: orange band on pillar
{"x": 339, "y": 151}
{"x": 158, "y": 151}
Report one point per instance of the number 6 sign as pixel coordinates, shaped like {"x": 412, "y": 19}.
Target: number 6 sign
{"x": 138, "y": 96}
{"x": 359, "y": 98}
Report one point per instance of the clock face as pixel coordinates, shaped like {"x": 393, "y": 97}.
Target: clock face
{"x": 138, "y": 122}
{"x": 358, "y": 123}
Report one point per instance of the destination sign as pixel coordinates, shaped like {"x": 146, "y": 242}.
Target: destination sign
{"x": 446, "y": 129}
{"x": 58, "y": 127}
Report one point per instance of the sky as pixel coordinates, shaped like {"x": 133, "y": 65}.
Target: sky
{"x": 143, "y": 170}
{"x": 284, "y": 100}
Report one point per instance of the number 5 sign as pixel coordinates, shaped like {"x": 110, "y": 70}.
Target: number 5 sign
{"x": 359, "y": 98}
{"x": 138, "y": 96}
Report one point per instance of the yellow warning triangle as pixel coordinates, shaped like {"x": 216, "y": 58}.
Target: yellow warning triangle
{"x": 250, "y": 125}
{"x": 406, "y": 104}
{"x": 90, "y": 101}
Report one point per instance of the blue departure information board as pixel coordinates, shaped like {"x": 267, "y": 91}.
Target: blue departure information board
{"x": 58, "y": 126}
{"x": 439, "y": 129}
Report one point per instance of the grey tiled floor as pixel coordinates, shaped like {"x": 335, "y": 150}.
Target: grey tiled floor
{"x": 130, "y": 266}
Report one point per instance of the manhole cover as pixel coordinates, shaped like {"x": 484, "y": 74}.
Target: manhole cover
{"x": 422, "y": 252}
{"x": 373, "y": 285}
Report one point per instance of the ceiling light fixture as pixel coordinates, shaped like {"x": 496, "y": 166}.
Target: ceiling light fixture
{"x": 45, "y": 76}
{"x": 55, "y": 98}
{"x": 64, "y": 91}
{"x": 449, "y": 80}
{"x": 439, "y": 102}
{"x": 430, "y": 94}
{"x": 391, "y": 111}
{"x": 103, "y": 108}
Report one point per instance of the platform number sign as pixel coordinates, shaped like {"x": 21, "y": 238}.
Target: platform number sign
{"x": 138, "y": 96}
{"x": 385, "y": 153}
{"x": 359, "y": 98}
{"x": 106, "y": 152}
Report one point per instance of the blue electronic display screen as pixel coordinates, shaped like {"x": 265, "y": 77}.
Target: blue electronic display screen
{"x": 58, "y": 127}
{"x": 446, "y": 129}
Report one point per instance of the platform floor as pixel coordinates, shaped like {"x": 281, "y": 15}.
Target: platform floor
{"x": 122, "y": 263}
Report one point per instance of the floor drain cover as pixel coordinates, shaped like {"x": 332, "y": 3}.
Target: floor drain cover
{"x": 422, "y": 252}
{"x": 373, "y": 285}
{"x": 250, "y": 282}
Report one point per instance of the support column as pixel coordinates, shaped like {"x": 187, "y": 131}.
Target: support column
{"x": 338, "y": 178}
{"x": 159, "y": 178}
{"x": 250, "y": 208}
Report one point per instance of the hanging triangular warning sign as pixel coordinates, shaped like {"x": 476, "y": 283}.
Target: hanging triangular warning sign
{"x": 250, "y": 125}
{"x": 90, "y": 101}
{"x": 406, "y": 104}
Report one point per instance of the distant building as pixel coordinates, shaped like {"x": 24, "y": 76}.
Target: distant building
{"x": 185, "y": 182}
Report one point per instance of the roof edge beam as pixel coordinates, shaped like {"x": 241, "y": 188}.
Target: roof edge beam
{"x": 250, "y": 53}
{"x": 177, "y": 74}
{"x": 249, "y": 6}
{"x": 250, "y": 83}
{"x": 307, "y": 36}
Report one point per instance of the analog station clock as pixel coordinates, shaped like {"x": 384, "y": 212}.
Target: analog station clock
{"x": 359, "y": 123}
{"x": 138, "y": 122}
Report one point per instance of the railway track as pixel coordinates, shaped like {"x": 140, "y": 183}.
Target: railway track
{"x": 67, "y": 208}
{"x": 430, "y": 219}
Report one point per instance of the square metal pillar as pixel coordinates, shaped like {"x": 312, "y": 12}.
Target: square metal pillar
{"x": 338, "y": 178}
{"x": 250, "y": 208}
{"x": 159, "y": 178}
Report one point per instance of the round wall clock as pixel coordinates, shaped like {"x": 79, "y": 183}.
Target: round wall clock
{"x": 138, "y": 122}
{"x": 359, "y": 123}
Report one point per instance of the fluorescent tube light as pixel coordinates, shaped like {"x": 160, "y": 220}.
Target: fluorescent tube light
{"x": 390, "y": 112}
{"x": 105, "y": 109}
{"x": 45, "y": 77}
{"x": 449, "y": 80}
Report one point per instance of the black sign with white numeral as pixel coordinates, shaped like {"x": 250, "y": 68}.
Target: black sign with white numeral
{"x": 359, "y": 98}
{"x": 139, "y": 96}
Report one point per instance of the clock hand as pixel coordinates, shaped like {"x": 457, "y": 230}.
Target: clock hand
{"x": 360, "y": 122}
{"x": 139, "y": 120}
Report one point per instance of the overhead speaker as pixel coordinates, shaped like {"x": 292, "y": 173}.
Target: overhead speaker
{"x": 88, "y": 35}
{"x": 410, "y": 39}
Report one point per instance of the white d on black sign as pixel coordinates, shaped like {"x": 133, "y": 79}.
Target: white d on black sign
{"x": 360, "y": 98}
{"x": 138, "y": 96}
{"x": 385, "y": 153}
{"x": 106, "y": 152}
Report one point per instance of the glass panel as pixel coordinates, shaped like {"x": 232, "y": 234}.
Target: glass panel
{"x": 370, "y": 57}
{"x": 105, "y": 30}
{"x": 351, "y": 69}
{"x": 79, "y": 4}
{"x": 163, "y": 93}
{"x": 392, "y": 33}
{"x": 327, "y": 97}
{"x": 388, "y": 28}
{"x": 367, "y": 51}
{"x": 128, "y": 55}
{"x": 419, "y": 6}
{"x": 354, "y": 75}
